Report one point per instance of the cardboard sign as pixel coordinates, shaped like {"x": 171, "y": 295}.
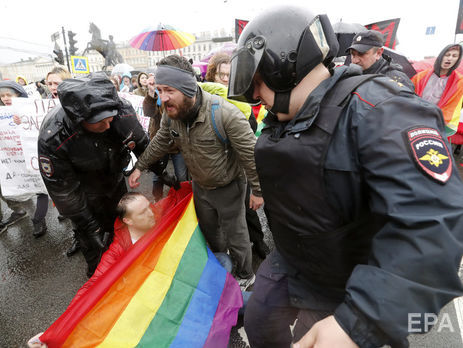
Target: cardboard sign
{"x": 137, "y": 103}
{"x": 32, "y": 91}
{"x": 20, "y": 178}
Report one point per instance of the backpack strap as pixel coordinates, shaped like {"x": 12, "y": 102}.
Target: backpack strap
{"x": 337, "y": 98}
{"x": 340, "y": 94}
{"x": 217, "y": 121}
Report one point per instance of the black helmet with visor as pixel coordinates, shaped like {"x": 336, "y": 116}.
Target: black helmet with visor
{"x": 283, "y": 45}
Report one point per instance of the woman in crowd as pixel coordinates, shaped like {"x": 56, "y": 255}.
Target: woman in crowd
{"x": 8, "y": 91}
{"x": 126, "y": 84}
{"x": 54, "y": 78}
{"x": 21, "y": 80}
{"x": 142, "y": 82}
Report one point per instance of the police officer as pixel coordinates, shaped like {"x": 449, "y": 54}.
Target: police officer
{"x": 367, "y": 51}
{"x": 362, "y": 196}
{"x": 83, "y": 146}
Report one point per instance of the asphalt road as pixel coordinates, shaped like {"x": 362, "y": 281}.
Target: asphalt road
{"x": 37, "y": 282}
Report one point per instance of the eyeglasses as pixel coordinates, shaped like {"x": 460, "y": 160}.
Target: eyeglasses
{"x": 223, "y": 75}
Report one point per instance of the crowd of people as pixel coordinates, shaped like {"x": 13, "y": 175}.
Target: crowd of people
{"x": 347, "y": 164}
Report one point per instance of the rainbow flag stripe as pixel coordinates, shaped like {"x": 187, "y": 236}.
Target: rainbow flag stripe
{"x": 169, "y": 290}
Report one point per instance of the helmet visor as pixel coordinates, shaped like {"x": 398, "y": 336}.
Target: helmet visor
{"x": 244, "y": 64}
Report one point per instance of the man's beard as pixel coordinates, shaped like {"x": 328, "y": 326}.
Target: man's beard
{"x": 182, "y": 110}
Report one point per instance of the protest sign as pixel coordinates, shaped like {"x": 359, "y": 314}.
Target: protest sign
{"x": 137, "y": 103}
{"x": 15, "y": 180}
{"x": 19, "y": 174}
{"x": 32, "y": 91}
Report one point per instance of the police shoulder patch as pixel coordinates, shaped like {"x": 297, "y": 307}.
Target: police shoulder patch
{"x": 46, "y": 166}
{"x": 430, "y": 153}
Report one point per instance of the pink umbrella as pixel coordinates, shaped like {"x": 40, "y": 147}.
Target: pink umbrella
{"x": 228, "y": 48}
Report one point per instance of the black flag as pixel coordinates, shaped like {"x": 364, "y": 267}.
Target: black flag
{"x": 389, "y": 30}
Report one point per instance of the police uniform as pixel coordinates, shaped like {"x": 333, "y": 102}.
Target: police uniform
{"x": 83, "y": 171}
{"x": 366, "y": 211}
{"x": 362, "y": 196}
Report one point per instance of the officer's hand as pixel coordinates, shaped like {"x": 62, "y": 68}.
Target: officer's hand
{"x": 170, "y": 180}
{"x": 133, "y": 178}
{"x": 255, "y": 202}
{"x": 326, "y": 334}
{"x": 96, "y": 239}
{"x": 34, "y": 342}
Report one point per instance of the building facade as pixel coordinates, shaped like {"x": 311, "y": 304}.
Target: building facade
{"x": 35, "y": 69}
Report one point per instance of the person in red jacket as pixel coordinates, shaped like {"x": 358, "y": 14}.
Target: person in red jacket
{"x": 136, "y": 217}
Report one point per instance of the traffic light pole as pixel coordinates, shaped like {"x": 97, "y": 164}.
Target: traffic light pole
{"x": 66, "y": 49}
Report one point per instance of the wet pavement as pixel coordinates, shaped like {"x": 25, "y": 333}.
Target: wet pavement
{"x": 37, "y": 282}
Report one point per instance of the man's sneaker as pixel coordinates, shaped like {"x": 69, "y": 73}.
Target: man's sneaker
{"x": 40, "y": 229}
{"x": 3, "y": 227}
{"x": 245, "y": 283}
{"x": 15, "y": 217}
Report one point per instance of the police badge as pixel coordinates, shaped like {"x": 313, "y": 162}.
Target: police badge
{"x": 430, "y": 153}
{"x": 46, "y": 166}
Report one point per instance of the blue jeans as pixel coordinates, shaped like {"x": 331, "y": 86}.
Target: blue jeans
{"x": 180, "y": 169}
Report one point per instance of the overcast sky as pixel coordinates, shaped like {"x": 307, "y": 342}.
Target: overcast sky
{"x": 26, "y": 26}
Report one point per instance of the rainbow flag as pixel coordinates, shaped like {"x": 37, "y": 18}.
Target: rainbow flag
{"x": 168, "y": 290}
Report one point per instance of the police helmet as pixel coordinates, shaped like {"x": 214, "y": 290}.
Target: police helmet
{"x": 283, "y": 44}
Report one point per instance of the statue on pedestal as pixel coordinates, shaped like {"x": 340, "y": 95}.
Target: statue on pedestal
{"x": 106, "y": 48}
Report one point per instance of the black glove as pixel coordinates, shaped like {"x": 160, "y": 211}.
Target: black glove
{"x": 95, "y": 238}
{"x": 169, "y": 180}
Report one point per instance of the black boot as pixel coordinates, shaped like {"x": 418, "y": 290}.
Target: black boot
{"x": 74, "y": 248}
{"x": 40, "y": 228}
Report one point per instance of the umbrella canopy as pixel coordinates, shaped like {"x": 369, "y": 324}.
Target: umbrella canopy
{"x": 120, "y": 69}
{"x": 400, "y": 59}
{"x": 345, "y": 33}
{"x": 348, "y": 28}
{"x": 202, "y": 66}
{"x": 164, "y": 38}
{"x": 228, "y": 48}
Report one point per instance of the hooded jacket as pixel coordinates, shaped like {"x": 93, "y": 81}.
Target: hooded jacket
{"x": 15, "y": 87}
{"x": 451, "y": 99}
{"x": 21, "y": 77}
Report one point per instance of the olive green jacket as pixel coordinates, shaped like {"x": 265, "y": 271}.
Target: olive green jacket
{"x": 211, "y": 163}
